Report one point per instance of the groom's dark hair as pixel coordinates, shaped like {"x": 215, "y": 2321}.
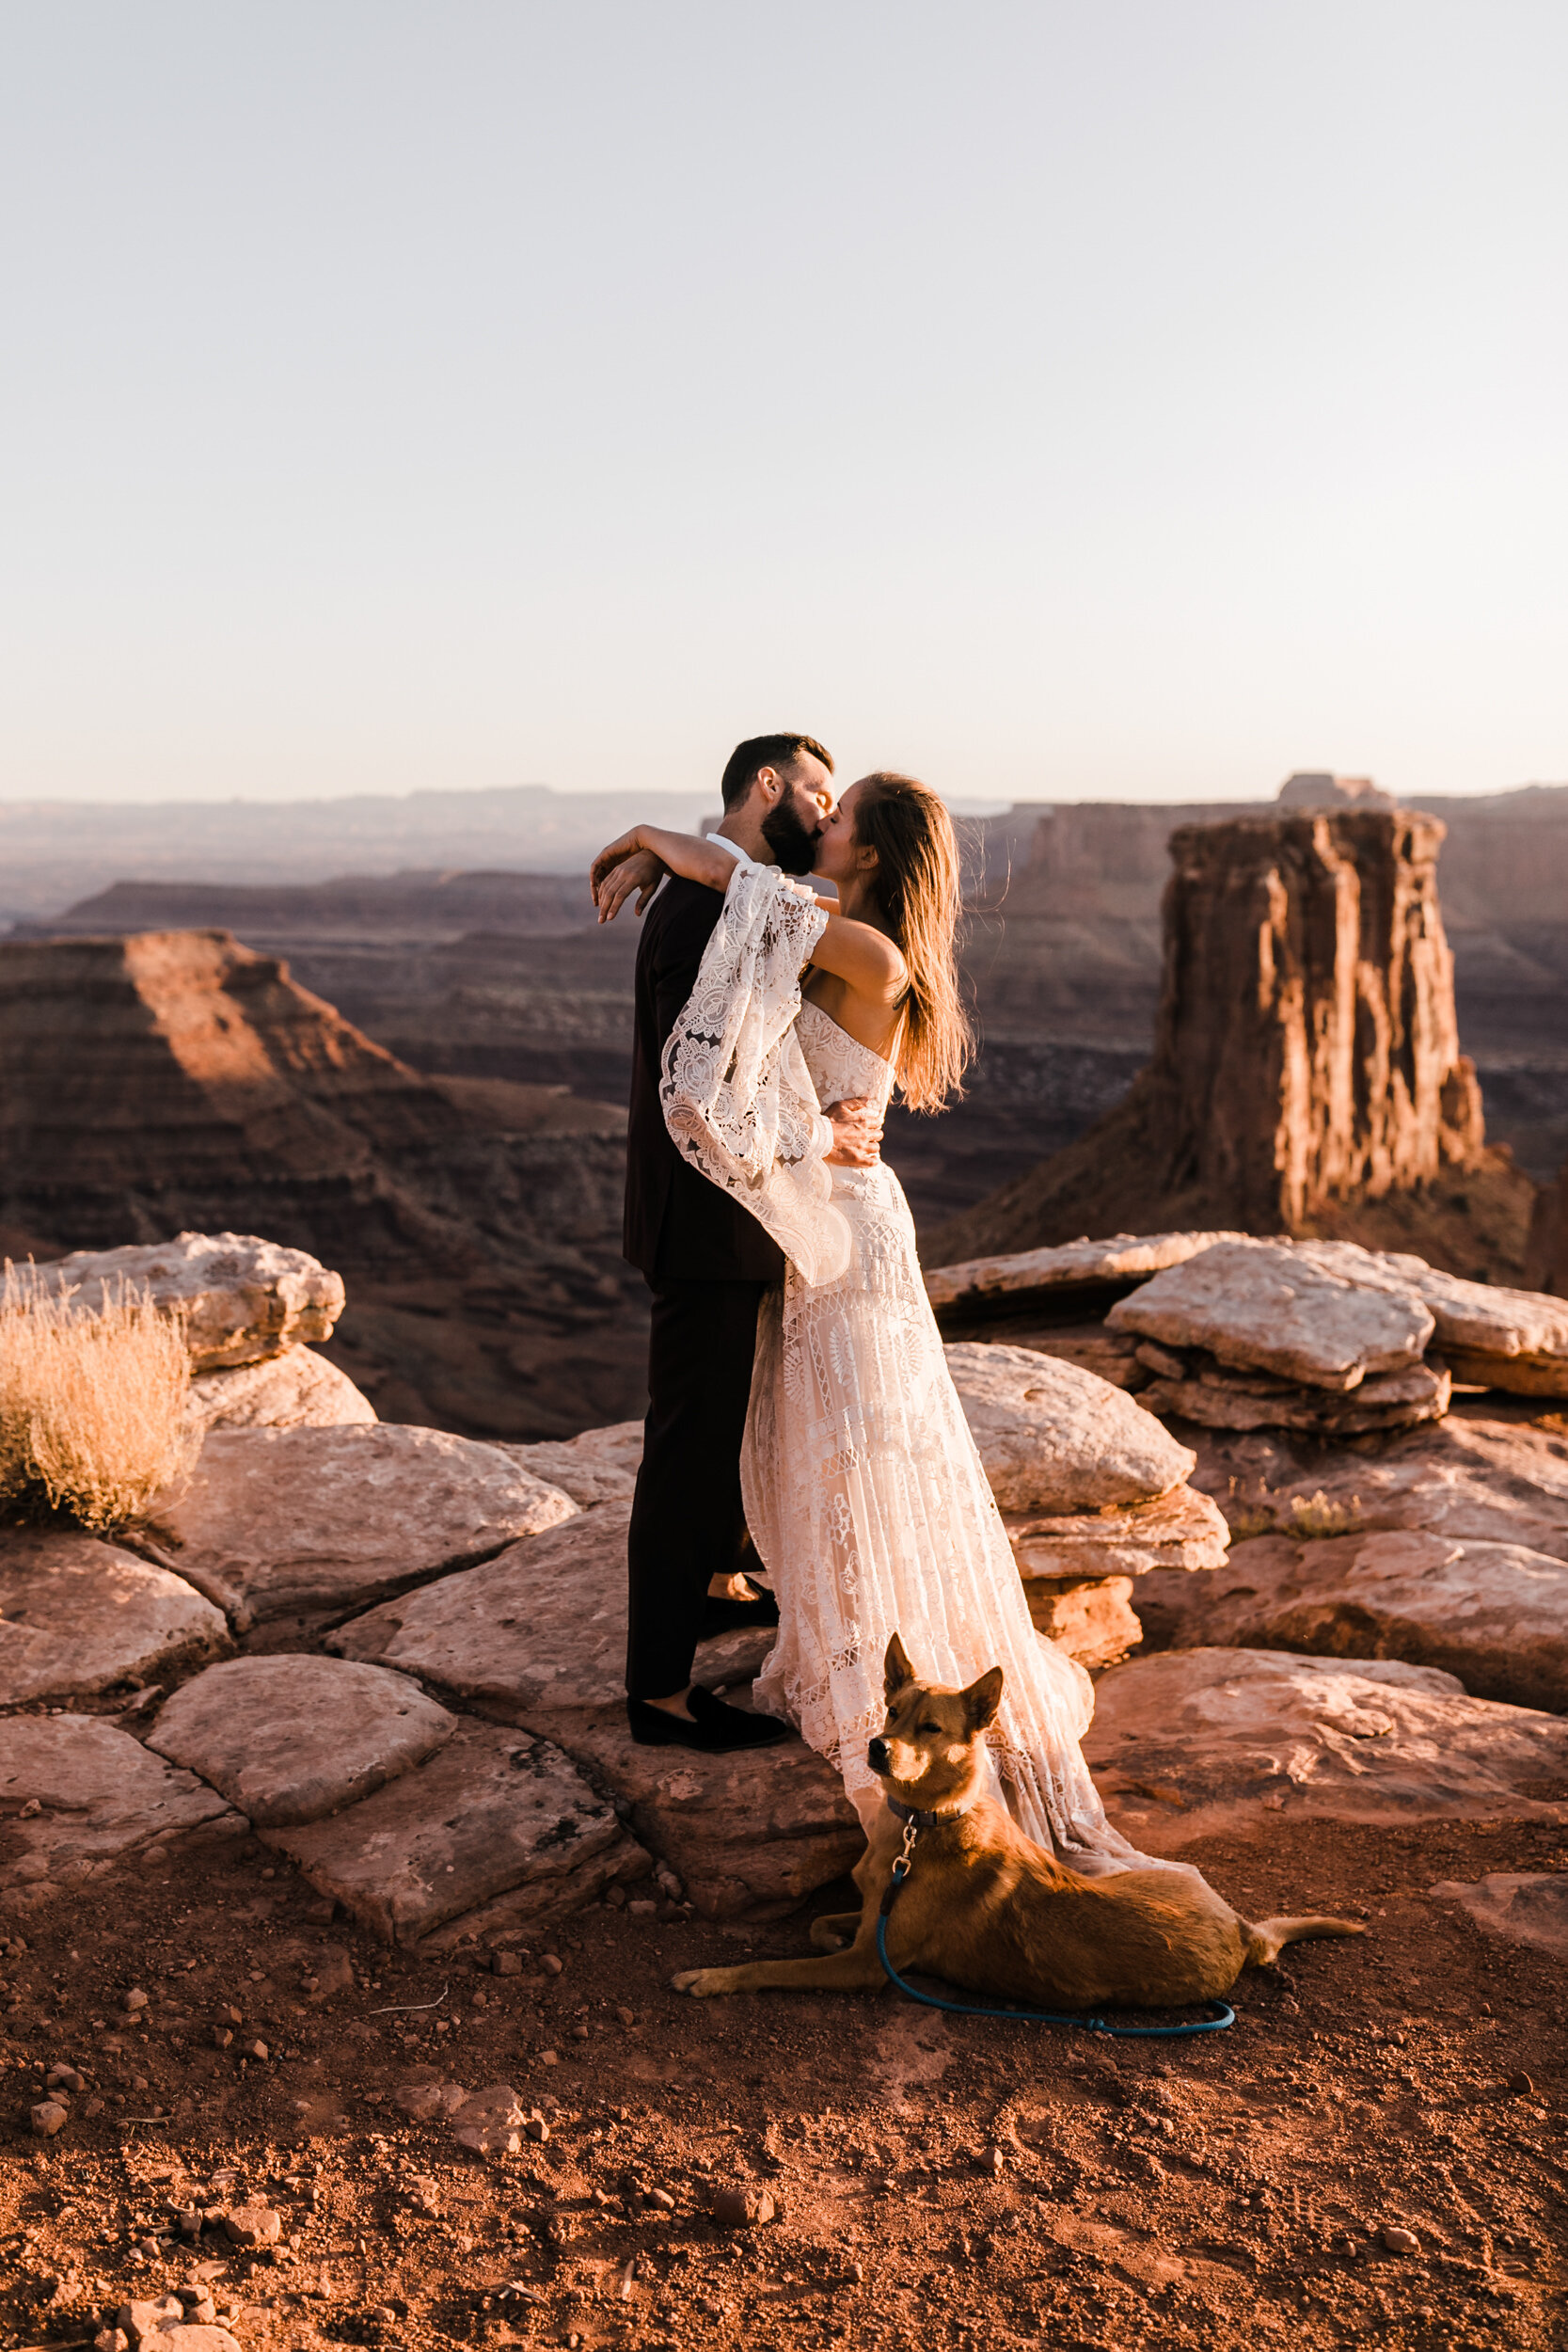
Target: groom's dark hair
{"x": 765, "y": 750}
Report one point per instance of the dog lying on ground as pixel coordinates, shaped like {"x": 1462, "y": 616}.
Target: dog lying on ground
{"x": 986, "y": 1909}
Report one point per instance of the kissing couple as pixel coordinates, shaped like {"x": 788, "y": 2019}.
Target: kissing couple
{"x": 799, "y": 1402}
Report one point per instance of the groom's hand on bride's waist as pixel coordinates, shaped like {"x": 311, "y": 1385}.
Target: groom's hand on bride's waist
{"x": 857, "y": 1127}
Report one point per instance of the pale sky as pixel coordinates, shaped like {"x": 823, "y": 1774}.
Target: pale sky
{"x": 1133, "y": 399}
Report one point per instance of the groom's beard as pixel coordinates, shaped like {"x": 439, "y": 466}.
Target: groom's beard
{"x": 793, "y": 844}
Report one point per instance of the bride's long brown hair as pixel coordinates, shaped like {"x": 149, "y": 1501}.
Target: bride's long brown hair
{"x": 918, "y": 885}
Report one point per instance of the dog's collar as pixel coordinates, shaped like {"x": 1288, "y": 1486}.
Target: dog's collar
{"x": 918, "y": 1816}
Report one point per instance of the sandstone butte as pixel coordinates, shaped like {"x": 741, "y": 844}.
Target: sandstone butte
{"x": 1307, "y": 1074}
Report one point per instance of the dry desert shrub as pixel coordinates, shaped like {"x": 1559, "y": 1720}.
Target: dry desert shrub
{"x": 90, "y": 1399}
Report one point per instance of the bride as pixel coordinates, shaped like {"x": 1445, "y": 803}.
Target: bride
{"x": 865, "y": 1493}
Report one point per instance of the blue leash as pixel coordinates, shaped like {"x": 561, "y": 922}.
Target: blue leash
{"x": 1030, "y": 2016}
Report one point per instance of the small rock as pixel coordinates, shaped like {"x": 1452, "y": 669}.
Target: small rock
{"x": 222, "y": 2037}
{"x": 550, "y": 2058}
{"x": 615, "y": 1896}
{"x": 200, "y": 2310}
{"x": 579, "y": 2032}
{"x": 507, "y": 1965}
{"x": 139, "y": 2320}
{"x": 626, "y": 2016}
{"x": 662, "y": 2198}
{"x": 1522, "y": 2085}
{"x": 189, "y": 2339}
{"x": 48, "y": 2116}
{"x": 1399, "y": 2241}
{"x": 536, "y": 2129}
{"x": 258, "y": 2050}
{"x": 111, "y": 2340}
{"x": 63, "y": 2078}
{"x": 550, "y": 1963}
{"x": 133, "y": 2000}
{"x": 993, "y": 2160}
{"x": 666, "y": 1878}
{"x": 741, "y": 2208}
{"x": 253, "y": 2225}
{"x": 642, "y": 1909}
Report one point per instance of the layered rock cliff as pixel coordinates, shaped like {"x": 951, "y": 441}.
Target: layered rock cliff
{"x": 1307, "y": 1059}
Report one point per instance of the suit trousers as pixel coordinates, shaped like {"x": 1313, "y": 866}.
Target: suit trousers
{"x": 687, "y": 1522}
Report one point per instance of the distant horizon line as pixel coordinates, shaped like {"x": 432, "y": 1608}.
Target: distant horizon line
{"x": 968, "y": 804}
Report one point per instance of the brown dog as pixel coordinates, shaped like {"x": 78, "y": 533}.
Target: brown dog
{"x": 987, "y": 1909}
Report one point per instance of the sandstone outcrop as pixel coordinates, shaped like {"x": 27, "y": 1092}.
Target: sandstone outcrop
{"x": 283, "y": 1522}
{"x": 1204, "y": 1742}
{"x": 1521, "y": 1907}
{"x": 1306, "y": 1052}
{"x": 600, "y": 1466}
{"x": 1268, "y": 1308}
{"x": 490, "y": 1818}
{"x": 1495, "y": 1614}
{"x": 100, "y": 1795}
{"x": 78, "y": 1615}
{"x": 297, "y": 1390}
{"x": 1124, "y": 1258}
{"x": 1184, "y": 1530}
{"x": 1204, "y": 1391}
{"x": 1055, "y": 1439}
{"x": 242, "y": 1299}
{"x": 537, "y": 1637}
{"x": 288, "y": 1738}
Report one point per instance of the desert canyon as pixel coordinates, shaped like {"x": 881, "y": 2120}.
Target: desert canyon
{"x": 339, "y": 1910}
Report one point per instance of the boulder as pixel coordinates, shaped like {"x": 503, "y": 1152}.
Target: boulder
{"x": 1268, "y": 1306}
{"x": 1181, "y": 1530}
{"x": 1206, "y": 1742}
{"x": 1522, "y": 1907}
{"x": 538, "y": 1638}
{"x": 100, "y": 1795}
{"x": 1217, "y": 1397}
{"x": 1489, "y": 1335}
{"x": 243, "y": 1298}
{"x": 601, "y": 1465}
{"x": 282, "y": 1521}
{"x": 78, "y": 1616}
{"x": 1091, "y": 1618}
{"x": 288, "y": 1738}
{"x": 490, "y": 1814}
{"x": 1471, "y": 1476}
{"x": 1123, "y": 1258}
{"x": 1496, "y": 1614}
{"x": 1055, "y": 1438}
{"x": 296, "y": 1390}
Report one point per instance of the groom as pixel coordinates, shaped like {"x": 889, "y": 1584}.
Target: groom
{"x": 707, "y": 1262}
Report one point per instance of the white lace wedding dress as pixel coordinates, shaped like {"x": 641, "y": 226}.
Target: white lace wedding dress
{"x": 869, "y": 1505}
{"x": 864, "y": 1494}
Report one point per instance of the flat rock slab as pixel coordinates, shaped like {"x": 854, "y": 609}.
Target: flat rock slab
{"x": 1266, "y": 1304}
{"x": 601, "y": 1465}
{"x": 1484, "y": 1318}
{"x": 1494, "y": 1615}
{"x": 1199, "y": 1743}
{"x": 1055, "y": 1438}
{"x": 297, "y": 1390}
{"x": 1471, "y": 1476}
{"x": 283, "y": 1521}
{"x": 1219, "y": 1399}
{"x": 100, "y": 1795}
{"x": 1124, "y": 1257}
{"x": 538, "y": 1637}
{"x": 490, "y": 1814}
{"x": 1184, "y": 1530}
{"x": 78, "y": 1616}
{"x": 1521, "y": 1907}
{"x": 289, "y": 1739}
{"x": 241, "y": 1297}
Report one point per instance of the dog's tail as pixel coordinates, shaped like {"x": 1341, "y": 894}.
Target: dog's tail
{"x": 1268, "y": 1939}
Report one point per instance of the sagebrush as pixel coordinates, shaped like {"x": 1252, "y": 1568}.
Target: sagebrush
{"x": 91, "y": 1398}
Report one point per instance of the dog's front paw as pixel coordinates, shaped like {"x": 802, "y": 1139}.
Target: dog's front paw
{"x": 700, "y": 1982}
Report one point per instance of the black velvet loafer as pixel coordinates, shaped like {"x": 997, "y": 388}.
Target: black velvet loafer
{"x": 712, "y": 1726}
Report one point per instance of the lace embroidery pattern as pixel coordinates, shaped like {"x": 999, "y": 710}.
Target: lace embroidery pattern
{"x": 866, "y": 1497}
{"x": 738, "y": 1095}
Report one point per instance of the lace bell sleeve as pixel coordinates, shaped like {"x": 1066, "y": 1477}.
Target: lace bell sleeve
{"x": 737, "y": 1097}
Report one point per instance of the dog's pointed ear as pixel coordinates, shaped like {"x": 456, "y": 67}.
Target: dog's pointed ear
{"x": 982, "y": 1699}
{"x": 897, "y": 1670}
